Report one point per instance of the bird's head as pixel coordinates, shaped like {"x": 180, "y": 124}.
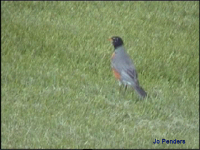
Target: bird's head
{"x": 116, "y": 41}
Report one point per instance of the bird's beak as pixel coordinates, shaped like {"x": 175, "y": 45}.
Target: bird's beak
{"x": 110, "y": 39}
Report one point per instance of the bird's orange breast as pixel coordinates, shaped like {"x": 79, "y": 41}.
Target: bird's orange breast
{"x": 113, "y": 55}
{"x": 116, "y": 74}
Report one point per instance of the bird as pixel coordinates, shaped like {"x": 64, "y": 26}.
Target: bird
{"x": 123, "y": 67}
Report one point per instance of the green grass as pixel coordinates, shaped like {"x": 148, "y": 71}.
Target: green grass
{"x": 57, "y": 86}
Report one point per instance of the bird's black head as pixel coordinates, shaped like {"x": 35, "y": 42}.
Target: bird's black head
{"x": 116, "y": 41}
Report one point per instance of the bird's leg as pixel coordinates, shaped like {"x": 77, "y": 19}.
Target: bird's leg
{"x": 120, "y": 86}
{"x": 125, "y": 87}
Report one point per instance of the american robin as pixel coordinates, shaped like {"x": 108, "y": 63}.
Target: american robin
{"x": 123, "y": 67}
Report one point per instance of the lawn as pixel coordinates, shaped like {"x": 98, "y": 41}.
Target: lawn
{"x": 58, "y": 90}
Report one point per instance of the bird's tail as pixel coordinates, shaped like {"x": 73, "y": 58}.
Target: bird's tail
{"x": 140, "y": 91}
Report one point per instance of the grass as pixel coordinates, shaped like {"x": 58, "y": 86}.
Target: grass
{"x": 57, "y": 86}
